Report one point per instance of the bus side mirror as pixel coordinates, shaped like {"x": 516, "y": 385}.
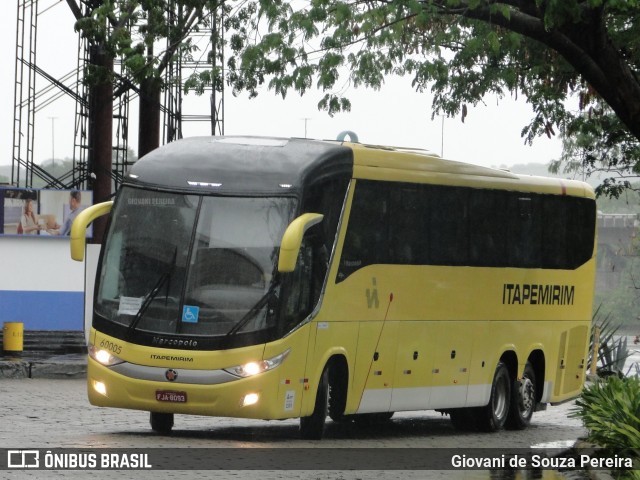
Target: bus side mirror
{"x": 80, "y": 224}
{"x": 292, "y": 240}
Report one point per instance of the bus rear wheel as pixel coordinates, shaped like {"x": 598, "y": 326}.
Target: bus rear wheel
{"x": 312, "y": 427}
{"x": 161, "y": 423}
{"x": 494, "y": 416}
{"x": 523, "y": 400}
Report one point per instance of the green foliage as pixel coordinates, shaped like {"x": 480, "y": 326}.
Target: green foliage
{"x": 133, "y": 29}
{"x": 597, "y": 143}
{"x": 623, "y": 302}
{"x": 610, "y": 411}
{"x": 459, "y": 51}
{"x": 416, "y": 36}
{"x": 612, "y": 349}
{"x": 627, "y": 202}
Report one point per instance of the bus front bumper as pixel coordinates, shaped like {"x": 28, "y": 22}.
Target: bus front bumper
{"x": 252, "y": 397}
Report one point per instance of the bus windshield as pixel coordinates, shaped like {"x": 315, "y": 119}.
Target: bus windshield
{"x": 192, "y": 265}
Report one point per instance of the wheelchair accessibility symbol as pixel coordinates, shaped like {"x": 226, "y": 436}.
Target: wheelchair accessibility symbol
{"x": 190, "y": 314}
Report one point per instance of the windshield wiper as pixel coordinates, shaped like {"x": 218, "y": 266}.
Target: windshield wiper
{"x": 153, "y": 294}
{"x": 254, "y": 310}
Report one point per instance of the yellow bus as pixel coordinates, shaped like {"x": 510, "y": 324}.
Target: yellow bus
{"x": 278, "y": 278}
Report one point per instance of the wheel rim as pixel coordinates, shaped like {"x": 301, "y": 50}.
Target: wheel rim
{"x": 500, "y": 404}
{"x": 526, "y": 396}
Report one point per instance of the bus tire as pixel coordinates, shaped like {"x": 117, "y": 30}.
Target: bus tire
{"x": 523, "y": 400}
{"x": 312, "y": 427}
{"x": 494, "y": 416}
{"x": 161, "y": 423}
{"x": 463, "y": 419}
{"x": 338, "y": 394}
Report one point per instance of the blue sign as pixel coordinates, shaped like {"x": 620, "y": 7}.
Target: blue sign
{"x": 190, "y": 314}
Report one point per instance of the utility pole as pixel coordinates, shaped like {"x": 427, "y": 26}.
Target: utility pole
{"x": 306, "y": 119}
{"x": 442, "y": 138}
{"x": 53, "y": 143}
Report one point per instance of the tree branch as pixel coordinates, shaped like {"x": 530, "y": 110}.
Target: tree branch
{"x": 597, "y": 61}
{"x": 193, "y": 16}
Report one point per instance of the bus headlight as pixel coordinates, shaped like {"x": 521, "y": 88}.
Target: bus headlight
{"x": 253, "y": 368}
{"x": 103, "y": 357}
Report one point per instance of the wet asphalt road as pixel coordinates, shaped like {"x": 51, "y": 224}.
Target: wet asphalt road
{"x": 49, "y": 414}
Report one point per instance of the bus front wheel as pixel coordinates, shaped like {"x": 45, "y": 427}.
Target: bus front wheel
{"x": 494, "y": 416}
{"x": 523, "y": 400}
{"x": 312, "y": 427}
{"x": 161, "y": 423}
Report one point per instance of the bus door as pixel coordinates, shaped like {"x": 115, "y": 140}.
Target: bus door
{"x": 451, "y": 363}
{"x": 572, "y": 356}
{"x": 375, "y": 365}
{"x": 413, "y": 367}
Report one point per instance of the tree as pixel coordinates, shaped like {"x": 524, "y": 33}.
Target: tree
{"x": 131, "y": 30}
{"x": 462, "y": 50}
{"x": 600, "y": 144}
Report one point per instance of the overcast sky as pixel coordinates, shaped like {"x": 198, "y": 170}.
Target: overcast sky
{"x": 395, "y": 115}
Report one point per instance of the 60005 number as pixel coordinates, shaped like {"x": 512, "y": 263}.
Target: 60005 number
{"x": 113, "y": 347}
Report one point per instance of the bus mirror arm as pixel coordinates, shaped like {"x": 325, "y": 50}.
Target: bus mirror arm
{"x": 292, "y": 240}
{"x": 79, "y": 227}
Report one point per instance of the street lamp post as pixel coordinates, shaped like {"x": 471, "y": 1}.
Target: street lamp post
{"x": 442, "y": 138}
{"x": 53, "y": 136}
{"x": 306, "y": 119}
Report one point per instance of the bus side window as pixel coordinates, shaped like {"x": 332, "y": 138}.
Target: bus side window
{"x": 554, "y": 225}
{"x": 487, "y": 213}
{"x": 449, "y": 226}
{"x": 524, "y": 231}
{"x": 580, "y": 230}
{"x": 366, "y": 241}
{"x": 297, "y": 304}
{"x": 409, "y": 238}
{"x": 327, "y": 198}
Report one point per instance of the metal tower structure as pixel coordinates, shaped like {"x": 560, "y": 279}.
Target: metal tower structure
{"x": 174, "y": 117}
{"x": 28, "y": 101}
{"x": 122, "y": 93}
{"x": 24, "y": 93}
{"x": 217, "y": 55}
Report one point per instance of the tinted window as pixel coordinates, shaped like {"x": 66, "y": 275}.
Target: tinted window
{"x": 397, "y": 223}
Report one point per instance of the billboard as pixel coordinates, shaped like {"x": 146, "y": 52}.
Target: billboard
{"x": 42, "y": 213}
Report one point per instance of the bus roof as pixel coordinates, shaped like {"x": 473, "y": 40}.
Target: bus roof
{"x": 267, "y": 165}
{"x": 241, "y": 165}
{"x": 375, "y": 162}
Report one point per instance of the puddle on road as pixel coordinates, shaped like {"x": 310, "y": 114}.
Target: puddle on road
{"x": 558, "y": 444}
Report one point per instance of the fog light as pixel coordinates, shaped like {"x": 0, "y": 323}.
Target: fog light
{"x": 100, "y": 387}
{"x": 250, "y": 399}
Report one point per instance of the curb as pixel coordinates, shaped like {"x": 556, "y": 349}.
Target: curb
{"x": 58, "y": 367}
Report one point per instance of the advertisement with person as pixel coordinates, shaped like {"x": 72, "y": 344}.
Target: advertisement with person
{"x": 46, "y": 213}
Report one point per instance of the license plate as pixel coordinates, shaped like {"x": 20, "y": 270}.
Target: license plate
{"x": 171, "y": 396}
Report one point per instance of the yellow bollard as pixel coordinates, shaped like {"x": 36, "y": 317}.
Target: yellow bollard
{"x": 12, "y": 335}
